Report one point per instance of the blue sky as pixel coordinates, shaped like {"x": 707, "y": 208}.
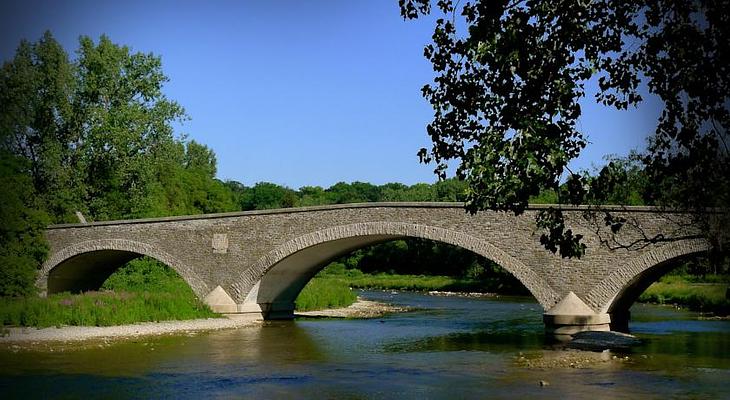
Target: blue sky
{"x": 292, "y": 92}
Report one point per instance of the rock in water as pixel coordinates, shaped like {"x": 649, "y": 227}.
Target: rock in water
{"x": 599, "y": 341}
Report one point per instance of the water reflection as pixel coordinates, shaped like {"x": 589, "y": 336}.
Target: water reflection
{"x": 277, "y": 342}
{"x": 485, "y": 341}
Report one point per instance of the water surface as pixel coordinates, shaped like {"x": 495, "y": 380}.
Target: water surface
{"x": 453, "y": 347}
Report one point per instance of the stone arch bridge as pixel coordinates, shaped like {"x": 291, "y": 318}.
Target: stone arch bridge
{"x": 259, "y": 261}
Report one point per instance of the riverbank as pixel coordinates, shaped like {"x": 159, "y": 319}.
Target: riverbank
{"x": 359, "y": 309}
{"x": 709, "y": 295}
{"x": 144, "y": 290}
{"x": 711, "y": 299}
{"x": 26, "y": 337}
{"x": 68, "y": 334}
{"x": 333, "y": 287}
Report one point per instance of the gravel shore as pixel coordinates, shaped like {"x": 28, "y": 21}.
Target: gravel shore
{"x": 550, "y": 359}
{"x": 81, "y": 333}
{"x": 65, "y": 334}
{"x": 360, "y": 309}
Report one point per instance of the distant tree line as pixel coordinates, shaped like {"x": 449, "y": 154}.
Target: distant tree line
{"x": 266, "y": 195}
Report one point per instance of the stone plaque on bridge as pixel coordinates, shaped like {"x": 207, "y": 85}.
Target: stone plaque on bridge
{"x": 220, "y": 243}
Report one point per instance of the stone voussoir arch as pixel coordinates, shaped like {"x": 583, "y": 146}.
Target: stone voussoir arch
{"x": 199, "y": 287}
{"x": 540, "y": 289}
{"x": 604, "y": 295}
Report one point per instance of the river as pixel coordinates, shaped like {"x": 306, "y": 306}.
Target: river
{"x": 454, "y": 347}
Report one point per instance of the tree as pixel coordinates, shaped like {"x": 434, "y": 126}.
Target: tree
{"x": 92, "y": 135}
{"x": 22, "y": 222}
{"x": 420, "y": 192}
{"x": 450, "y": 190}
{"x": 201, "y": 158}
{"x": 312, "y": 196}
{"x": 36, "y": 92}
{"x": 509, "y": 77}
{"x": 93, "y": 131}
{"x": 355, "y": 192}
{"x": 123, "y": 120}
{"x": 266, "y": 195}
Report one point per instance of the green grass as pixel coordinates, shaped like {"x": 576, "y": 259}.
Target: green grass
{"x": 401, "y": 282}
{"x": 142, "y": 291}
{"x": 426, "y": 283}
{"x": 147, "y": 275}
{"x": 100, "y": 309}
{"x": 325, "y": 292}
{"x": 703, "y": 297}
{"x": 356, "y": 279}
{"x": 709, "y": 278}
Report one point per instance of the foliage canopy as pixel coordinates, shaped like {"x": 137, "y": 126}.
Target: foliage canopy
{"x": 509, "y": 77}
{"x": 92, "y": 135}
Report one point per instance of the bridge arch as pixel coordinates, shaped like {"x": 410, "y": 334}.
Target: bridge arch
{"x": 85, "y": 265}
{"x": 277, "y": 278}
{"x": 620, "y": 289}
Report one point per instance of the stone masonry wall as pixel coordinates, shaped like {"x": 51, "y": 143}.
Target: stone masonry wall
{"x": 235, "y": 250}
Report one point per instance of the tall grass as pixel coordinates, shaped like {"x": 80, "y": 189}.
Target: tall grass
{"x": 100, "y": 309}
{"x": 325, "y": 292}
{"x": 144, "y": 290}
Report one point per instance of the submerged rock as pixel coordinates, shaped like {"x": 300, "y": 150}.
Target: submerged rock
{"x": 599, "y": 341}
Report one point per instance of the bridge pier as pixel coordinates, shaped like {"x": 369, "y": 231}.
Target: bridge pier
{"x": 620, "y": 321}
{"x": 279, "y": 310}
{"x": 571, "y": 315}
